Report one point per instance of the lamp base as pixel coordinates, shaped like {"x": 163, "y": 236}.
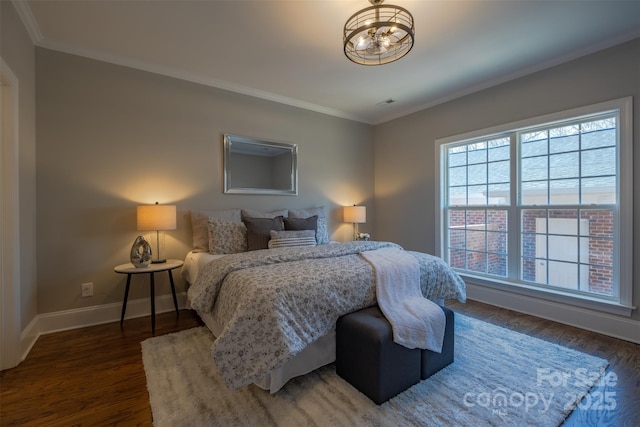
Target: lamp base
{"x": 158, "y": 261}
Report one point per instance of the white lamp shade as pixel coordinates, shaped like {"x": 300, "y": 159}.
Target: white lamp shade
{"x": 156, "y": 217}
{"x": 355, "y": 214}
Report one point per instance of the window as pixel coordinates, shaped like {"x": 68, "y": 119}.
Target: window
{"x": 543, "y": 204}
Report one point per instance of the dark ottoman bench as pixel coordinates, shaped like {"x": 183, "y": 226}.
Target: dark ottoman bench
{"x": 431, "y": 361}
{"x": 369, "y": 360}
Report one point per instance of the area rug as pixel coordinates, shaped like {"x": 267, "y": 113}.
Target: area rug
{"x": 499, "y": 378}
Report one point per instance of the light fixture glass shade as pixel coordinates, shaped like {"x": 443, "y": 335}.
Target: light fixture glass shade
{"x": 355, "y": 214}
{"x": 378, "y": 34}
{"x": 156, "y": 217}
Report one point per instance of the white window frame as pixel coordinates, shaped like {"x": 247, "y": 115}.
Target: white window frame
{"x": 623, "y": 304}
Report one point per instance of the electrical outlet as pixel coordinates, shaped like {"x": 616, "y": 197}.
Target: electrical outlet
{"x": 87, "y": 289}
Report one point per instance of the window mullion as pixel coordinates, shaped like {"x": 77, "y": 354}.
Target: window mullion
{"x": 513, "y": 214}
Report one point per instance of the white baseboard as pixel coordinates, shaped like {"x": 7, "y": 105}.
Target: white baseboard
{"x": 28, "y": 338}
{"x": 607, "y": 324}
{"x": 98, "y": 314}
{"x": 603, "y": 323}
{"x": 89, "y": 316}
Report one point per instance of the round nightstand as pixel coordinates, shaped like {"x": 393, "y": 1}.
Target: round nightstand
{"x": 129, "y": 270}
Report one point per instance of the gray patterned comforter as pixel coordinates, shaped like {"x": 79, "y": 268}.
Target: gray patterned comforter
{"x": 272, "y": 303}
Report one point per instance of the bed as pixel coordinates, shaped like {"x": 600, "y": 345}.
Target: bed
{"x": 273, "y": 311}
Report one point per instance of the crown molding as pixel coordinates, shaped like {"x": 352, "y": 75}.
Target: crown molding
{"x": 24, "y": 11}
{"x": 611, "y": 42}
{"x": 28, "y": 20}
{"x": 30, "y": 23}
{"x": 192, "y": 77}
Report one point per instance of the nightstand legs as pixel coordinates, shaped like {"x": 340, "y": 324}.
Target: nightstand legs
{"x": 153, "y": 305}
{"x": 126, "y": 295}
{"x": 152, "y": 288}
{"x": 173, "y": 291}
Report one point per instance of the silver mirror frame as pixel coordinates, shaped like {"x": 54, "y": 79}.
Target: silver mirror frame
{"x": 231, "y": 140}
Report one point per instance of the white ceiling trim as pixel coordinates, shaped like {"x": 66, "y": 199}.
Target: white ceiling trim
{"x": 194, "y": 78}
{"x": 199, "y": 79}
{"x": 27, "y": 17}
{"x": 521, "y": 73}
{"x": 24, "y": 12}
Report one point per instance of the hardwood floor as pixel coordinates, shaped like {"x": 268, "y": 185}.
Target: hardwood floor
{"x": 621, "y": 394}
{"x": 86, "y": 377}
{"x": 94, "y": 376}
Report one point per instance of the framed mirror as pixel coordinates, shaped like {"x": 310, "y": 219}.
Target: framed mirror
{"x": 256, "y": 166}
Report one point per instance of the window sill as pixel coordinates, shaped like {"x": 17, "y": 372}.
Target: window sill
{"x": 582, "y": 301}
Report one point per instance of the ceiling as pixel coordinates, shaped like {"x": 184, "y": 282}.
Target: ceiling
{"x": 291, "y": 51}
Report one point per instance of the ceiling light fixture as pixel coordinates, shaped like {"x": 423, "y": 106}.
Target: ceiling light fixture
{"x": 378, "y": 34}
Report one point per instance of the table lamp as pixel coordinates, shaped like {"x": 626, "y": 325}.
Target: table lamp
{"x": 355, "y": 215}
{"x": 157, "y": 218}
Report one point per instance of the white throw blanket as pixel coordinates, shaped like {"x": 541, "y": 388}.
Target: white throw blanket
{"x": 416, "y": 321}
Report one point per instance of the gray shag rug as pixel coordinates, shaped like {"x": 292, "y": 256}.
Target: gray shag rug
{"x": 499, "y": 378}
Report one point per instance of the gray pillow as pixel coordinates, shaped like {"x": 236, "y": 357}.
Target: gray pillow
{"x": 258, "y": 231}
{"x": 322, "y": 234}
{"x": 248, "y": 213}
{"x": 310, "y": 223}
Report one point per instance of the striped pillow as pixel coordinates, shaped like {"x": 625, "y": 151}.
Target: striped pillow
{"x": 290, "y": 238}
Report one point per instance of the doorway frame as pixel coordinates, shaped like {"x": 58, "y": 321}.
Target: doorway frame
{"x": 10, "y": 330}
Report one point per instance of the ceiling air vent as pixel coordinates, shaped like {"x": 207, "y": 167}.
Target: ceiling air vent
{"x": 386, "y": 101}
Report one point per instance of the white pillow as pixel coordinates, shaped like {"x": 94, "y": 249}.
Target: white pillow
{"x": 322, "y": 234}
{"x": 199, "y": 227}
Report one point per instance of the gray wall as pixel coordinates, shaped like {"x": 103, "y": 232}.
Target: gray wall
{"x": 17, "y": 50}
{"x": 404, "y": 148}
{"x": 111, "y": 138}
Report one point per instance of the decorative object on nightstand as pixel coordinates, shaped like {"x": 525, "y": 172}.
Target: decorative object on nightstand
{"x": 140, "y": 253}
{"x": 355, "y": 215}
{"x": 157, "y": 218}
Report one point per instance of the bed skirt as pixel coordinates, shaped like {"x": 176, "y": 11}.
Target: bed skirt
{"x": 315, "y": 355}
